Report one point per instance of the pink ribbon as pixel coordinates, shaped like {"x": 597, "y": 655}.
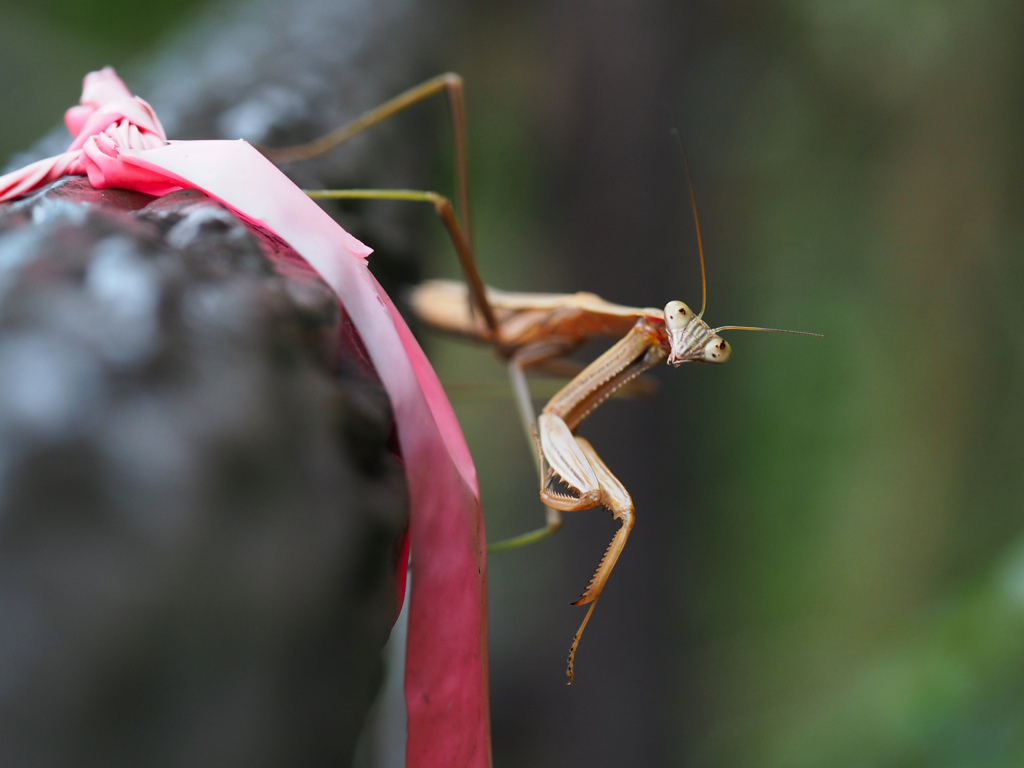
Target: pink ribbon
{"x": 119, "y": 142}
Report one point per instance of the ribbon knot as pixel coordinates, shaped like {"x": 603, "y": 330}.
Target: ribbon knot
{"x": 108, "y": 120}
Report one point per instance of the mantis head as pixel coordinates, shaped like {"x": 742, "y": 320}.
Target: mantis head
{"x": 691, "y": 339}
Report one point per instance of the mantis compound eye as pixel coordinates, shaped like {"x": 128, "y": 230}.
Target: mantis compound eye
{"x": 677, "y": 315}
{"x": 717, "y": 351}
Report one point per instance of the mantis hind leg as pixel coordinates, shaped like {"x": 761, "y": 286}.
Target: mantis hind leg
{"x": 452, "y": 86}
{"x": 449, "y": 83}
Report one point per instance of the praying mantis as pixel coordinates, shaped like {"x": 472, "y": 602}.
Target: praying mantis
{"x": 535, "y": 330}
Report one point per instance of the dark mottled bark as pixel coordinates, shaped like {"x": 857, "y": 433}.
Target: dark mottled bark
{"x": 198, "y": 504}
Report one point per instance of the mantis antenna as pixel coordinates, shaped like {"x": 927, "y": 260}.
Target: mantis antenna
{"x": 696, "y": 222}
{"x": 770, "y": 330}
{"x": 700, "y": 250}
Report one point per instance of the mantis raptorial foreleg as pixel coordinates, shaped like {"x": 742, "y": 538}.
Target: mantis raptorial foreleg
{"x": 616, "y": 498}
{"x": 536, "y": 330}
{"x": 576, "y": 463}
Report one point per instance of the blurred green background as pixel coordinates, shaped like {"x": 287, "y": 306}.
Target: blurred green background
{"x": 828, "y": 563}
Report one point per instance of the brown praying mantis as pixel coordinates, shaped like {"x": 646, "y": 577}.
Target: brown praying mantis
{"x": 538, "y": 330}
